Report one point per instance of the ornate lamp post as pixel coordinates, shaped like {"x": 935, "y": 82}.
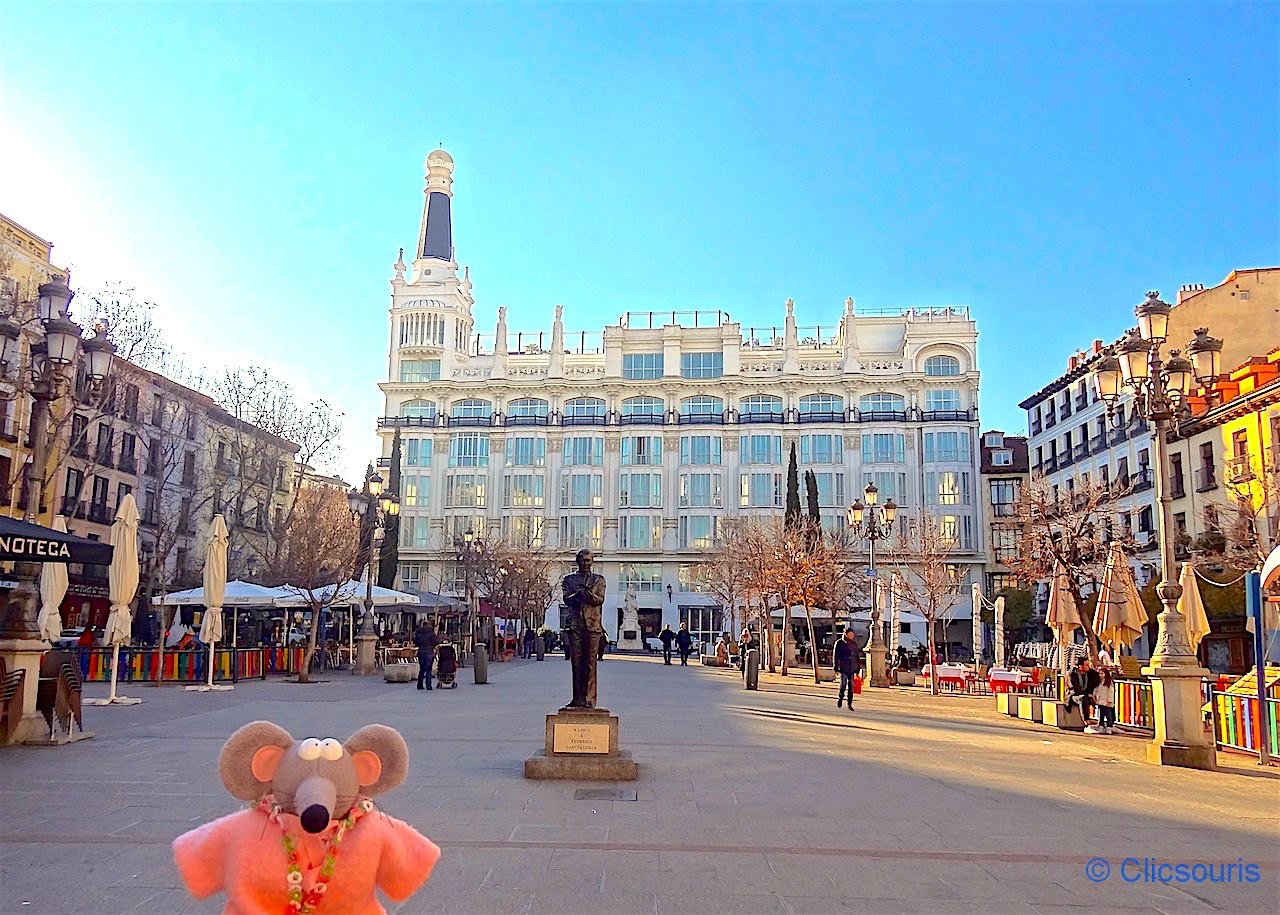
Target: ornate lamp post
{"x": 1159, "y": 390}
{"x": 872, "y": 522}
{"x": 44, "y": 379}
{"x": 469, "y": 549}
{"x": 371, "y": 505}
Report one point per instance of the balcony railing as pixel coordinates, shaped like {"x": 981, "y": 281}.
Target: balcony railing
{"x": 1098, "y": 443}
{"x": 99, "y": 512}
{"x": 1065, "y": 410}
{"x": 642, "y": 419}
{"x": 1239, "y": 469}
{"x": 1050, "y": 419}
{"x": 532, "y": 420}
{"x": 1142, "y": 480}
{"x": 1035, "y": 426}
{"x": 1206, "y": 479}
{"x": 882, "y": 416}
{"x": 1081, "y": 452}
{"x": 832, "y": 416}
{"x": 128, "y": 463}
{"x": 1066, "y": 459}
{"x": 1051, "y": 464}
{"x": 1119, "y": 435}
{"x": 1082, "y": 400}
{"x": 946, "y": 416}
{"x": 72, "y": 508}
{"x": 760, "y": 417}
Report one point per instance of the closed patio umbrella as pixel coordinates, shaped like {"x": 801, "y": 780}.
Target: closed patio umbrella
{"x": 215, "y": 586}
{"x": 1192, "y": 607}
{"x": 53, "y": 588}
{"x": 975, "y": 595}
{"x": 999, "y": 636}
{"x": 1120, "y": 615}
{"x": 1063, "y": 616}
{"x": 895, "y": 619}
{"x": 122, "y": 580}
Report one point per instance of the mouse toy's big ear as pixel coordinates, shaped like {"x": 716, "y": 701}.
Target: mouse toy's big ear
{"x": 381, "y": 757}
{"x": 249, "y": 759}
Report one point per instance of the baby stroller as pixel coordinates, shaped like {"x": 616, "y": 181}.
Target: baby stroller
{"x": 446, "y": 666}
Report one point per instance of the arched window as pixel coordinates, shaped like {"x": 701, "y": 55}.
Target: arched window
{"x": 472, "y": 409}
{"x": 419, "y": 409}
{"x": 942, "y": 366}
{"x": 585, "y": 407}
{"x": 821, "y": 403}
{"x": 701, "y": 406}
{"x": 760, "y": 403}
{"x": 882, "y": 403}
{"x": 642, "y": 406}
{"x": 529, "y": 407}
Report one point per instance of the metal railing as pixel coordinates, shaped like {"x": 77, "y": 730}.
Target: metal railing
{"x": 1206, "y": 479}
{"x": 1239, "y": 469}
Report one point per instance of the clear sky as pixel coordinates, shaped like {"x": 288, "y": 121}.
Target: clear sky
{"x": 254, "y": 168}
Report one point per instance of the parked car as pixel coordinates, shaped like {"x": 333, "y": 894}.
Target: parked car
{"x": 68, "y": 638}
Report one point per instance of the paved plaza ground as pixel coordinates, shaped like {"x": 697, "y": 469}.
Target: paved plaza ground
{"x": 768, "y": 801}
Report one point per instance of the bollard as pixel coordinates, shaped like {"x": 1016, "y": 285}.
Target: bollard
{"x": 752, "y": 669}
{"x": 481, "y": 668}
{"x": 541, "y": 644}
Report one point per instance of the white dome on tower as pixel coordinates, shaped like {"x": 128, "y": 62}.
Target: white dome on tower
{"x": 441, "y": 158}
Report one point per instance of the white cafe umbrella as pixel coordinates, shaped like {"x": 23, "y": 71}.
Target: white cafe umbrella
{"x": 1063, "y": 617}
{"x": 53, "y": 588}
{"x": 1120, "y": 615}
{"x": 999, "y": 636}
{"x": 1192, "y": 607}
{"x": 215, "y": 587}
{"x": 122, "y": 579}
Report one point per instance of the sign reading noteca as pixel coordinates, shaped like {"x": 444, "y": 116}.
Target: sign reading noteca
{"x": 580, "y": 738}
{"x": 34, "y": 546}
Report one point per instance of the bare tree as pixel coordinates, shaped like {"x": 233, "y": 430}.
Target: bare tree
{"x": 519, "y": 581}
{"x": 315, "y": 556}
{"x": 928, "y": 579}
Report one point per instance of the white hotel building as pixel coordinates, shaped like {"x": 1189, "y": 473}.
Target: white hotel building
{"x": 638, "y": 438}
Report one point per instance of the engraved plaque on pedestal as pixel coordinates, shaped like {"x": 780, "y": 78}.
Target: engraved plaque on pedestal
{"x": 579, "y": 738}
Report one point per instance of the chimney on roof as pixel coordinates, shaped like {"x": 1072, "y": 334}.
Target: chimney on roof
{"x": 1187, "y": 291}
{"x": 1071, "y": 363}
{"x": 1097, "y": 347}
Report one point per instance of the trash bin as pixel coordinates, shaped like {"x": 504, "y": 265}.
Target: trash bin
{"x": 751, "y": 672}
{"x": 541, "y": 644}
{"x": 481, "y": 668}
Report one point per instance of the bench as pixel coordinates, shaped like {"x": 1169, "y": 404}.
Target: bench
{"x": 11, "y": 683}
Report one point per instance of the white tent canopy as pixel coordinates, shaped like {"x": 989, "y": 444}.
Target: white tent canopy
{"x": 238, "y": 594}
{"x": 350, "y": 593}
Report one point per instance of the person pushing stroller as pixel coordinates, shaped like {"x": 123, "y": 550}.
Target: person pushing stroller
{"x": 446, "y": 664}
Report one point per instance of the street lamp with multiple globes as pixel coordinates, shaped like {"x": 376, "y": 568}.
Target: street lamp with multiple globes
{"x": 372, "y": 505}
{"x": 1160, "y": 388}
{"x": 45, "y": 380}
{"x": 874, "y": 522}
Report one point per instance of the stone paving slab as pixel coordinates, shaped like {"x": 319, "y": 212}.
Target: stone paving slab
{"x": 767, "y": 801}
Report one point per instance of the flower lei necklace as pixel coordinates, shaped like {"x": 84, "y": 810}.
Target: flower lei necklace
{"x": 301, "y": 903}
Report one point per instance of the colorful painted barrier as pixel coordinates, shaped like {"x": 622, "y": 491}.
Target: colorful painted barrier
{"x": 1135, "y": 707}
{"x": 186, "y": 666}
{"x": 1237, "y": 723}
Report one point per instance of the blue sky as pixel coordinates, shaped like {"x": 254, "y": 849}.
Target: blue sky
{"x": 254, "y": 168}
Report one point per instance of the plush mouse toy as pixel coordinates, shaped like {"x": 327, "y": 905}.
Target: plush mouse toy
{"x": 311, "y": 800}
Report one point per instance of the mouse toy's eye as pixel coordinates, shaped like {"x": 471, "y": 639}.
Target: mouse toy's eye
{"x": 330, "y": 749}
{"x": 310, "y": 749}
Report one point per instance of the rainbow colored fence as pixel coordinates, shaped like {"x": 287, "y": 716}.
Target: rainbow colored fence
{"x": 1237, "y": 723}
{"x": 189, "y": 665}
{"x": 1135, "y": 705}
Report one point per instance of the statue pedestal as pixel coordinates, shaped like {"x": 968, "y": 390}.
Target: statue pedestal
{"x": 582, "y": 744}
{"x": 629, "y": 633}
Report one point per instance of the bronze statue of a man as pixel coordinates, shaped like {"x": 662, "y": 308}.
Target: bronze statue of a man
{"x": 583, "y": 598}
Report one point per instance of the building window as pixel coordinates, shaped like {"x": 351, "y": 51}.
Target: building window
{"x": 821, "y": 404}
{"x": 821, "y": 449}
{"x": 584, "y": 408}
{"x": 1004, "y": 498}
{"x": 523, "y": 490}
{"x": 700, "y": 490}
{"x": 1177, "y": 484}
{"x": 882, "y": 403}
{"x": 526, "y": 451}
{"x": 948, "y": 487}
{"x": 640, "y": 532}
{"x": 831, "y": 489}
{"x": 472, "y": 409}
{"x": 643, "y": 406}
{"x": 642, "y": 576}
{"x": 760, "y": 405}
{"x": 583, "y": 451}
{"x": 760, "y": 449}
{"x": 1004, "y": 543}
{"x": 890, "y": 485}
{"x": 417, "y": 452}
{"x": 415, "y": 490}
{"x": 884, "y": 448}
{"x": 642, "y": 366}
{"x": 697, "y": 532}
{"x": 578, "y": 531}
{"x": 640, "y": 490}
{"x": 761, "y": 490}
{"x": 411, "y": 576}
{"x": 419, "y": 370}
{"x": 702, "y": 365}
{"x": 1002, "y": 459}
{"x": 942, "y": 399}
{"x": 529, "y": 407}
{"x": 469, "y": 449}
{"x": 701, "y": 406}
{"x": 700, "y": 450}
{"x": 689, "y": 579}
{"x": 942, "y": 366}
{"x": 465, "y": 490}
{"x": 946, "y": 446}
{"x": 641, "y": 450}
{"x": 522, "y": 530}
{"x": 418, "y": 409}
{"x": 581, "y": 490}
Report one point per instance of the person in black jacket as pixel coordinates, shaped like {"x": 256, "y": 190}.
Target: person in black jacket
{"x": 846, "y": 665}
{"x": 667, "y": 637}
{"x": 1081, "y": 683}
{"x": 529, "y": 637}
{"x": 425, "y": 638}
{"x": 684, "y": 642}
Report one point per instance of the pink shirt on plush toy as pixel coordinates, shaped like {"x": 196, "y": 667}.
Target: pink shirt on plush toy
{"x": 314, "y": 804}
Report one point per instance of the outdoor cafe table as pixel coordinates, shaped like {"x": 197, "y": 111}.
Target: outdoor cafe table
{"x": 1003, "y": 680}
{"x": 955, "y": 674}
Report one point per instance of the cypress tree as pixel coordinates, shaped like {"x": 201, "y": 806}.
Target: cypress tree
{"x": 815, "y": 515}
{"x": 792, "y": 516}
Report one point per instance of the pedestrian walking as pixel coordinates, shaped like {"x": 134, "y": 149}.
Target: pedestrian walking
{"x": 1081, "y": 683}
{"x": 684, "y": 642}
{"x": 667, "y": 637}
{"x": 1104, "y": 694}
{"x": 744, "y": 643}
{"x": 529, "y": 637}
{"x": 846, "y": 665}
{"x": 425, "y": 638}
